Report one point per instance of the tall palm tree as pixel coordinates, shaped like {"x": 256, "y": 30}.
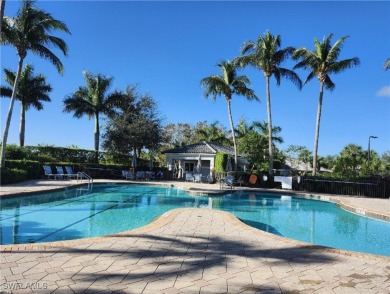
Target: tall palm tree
{"x": 32, "y": 90}
{"x": 322, "y": 62}
{"x": 228, "y": 84}
{"x": 387, "y": 64}
{"x": 265, "y": 54}
{"x": 92, "y": 101}
{"x": 31, "y": 31}
{"x": 2, "y": 8}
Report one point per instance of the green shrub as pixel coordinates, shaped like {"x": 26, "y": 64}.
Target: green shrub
{"x": 33, "y": 168}
{"x": 15, "y": 152}
{"x": 14, "y": 175}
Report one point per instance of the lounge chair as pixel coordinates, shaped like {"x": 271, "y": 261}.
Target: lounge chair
{"x": 189, "y": 177}
{"x": 197, "y": 178}
{"x": 228, "y": 181}
{"x": 70, "y": 173}
{"x": 60, "y": 172}
{"x": 127, "y": 175}
{"x": 140, "y": 175}
{"x": 49, "y": 173}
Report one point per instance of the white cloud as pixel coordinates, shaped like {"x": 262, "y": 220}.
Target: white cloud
{"x": 384, "y": 91}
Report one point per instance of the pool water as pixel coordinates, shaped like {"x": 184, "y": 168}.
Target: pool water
{"x": 109, "y": 209}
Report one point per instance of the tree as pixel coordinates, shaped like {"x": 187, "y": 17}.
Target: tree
{"x": 263, "y": 129}
{"x": 228, "y": 84}
{"x": 2, "y": 8}
{"x": 385, "y": 163}
{"x": 387, "y": 64}
{"x": 295, "y": 154}
{"x": 266, "y": 55}
{"x": 92, "y": 100}
{"x": 253, "y": 142}
{"x": 32, "y": 90}
{"x": 350, "y": 160}
{"x": 213, "y": 133}
{"x": 135, "y": 125}
{"x": 31, "y": 31}
{"x": 322, "y": 62}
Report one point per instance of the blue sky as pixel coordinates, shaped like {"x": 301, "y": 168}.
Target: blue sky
{"x": 166, "y": 48}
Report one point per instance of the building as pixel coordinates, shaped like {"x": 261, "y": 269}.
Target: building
{"x": 198, "y": 158}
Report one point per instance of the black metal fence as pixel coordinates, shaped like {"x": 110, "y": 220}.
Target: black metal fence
{"x": 376, "y": 188}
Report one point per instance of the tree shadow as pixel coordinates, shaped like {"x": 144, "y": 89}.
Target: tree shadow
{"x": 155, "y": 257}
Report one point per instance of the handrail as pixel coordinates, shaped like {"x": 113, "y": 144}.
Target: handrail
{"x": 83, "y": 175}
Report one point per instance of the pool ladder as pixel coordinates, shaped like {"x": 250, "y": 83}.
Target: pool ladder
{"x": 81, "y": 176}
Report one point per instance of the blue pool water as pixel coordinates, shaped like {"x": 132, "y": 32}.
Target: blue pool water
{"x": 110, "y": 209}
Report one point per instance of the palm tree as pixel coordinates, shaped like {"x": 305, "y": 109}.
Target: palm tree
{"x": 263, "y": 128}
{"x": 266, "y": 55}
{"x": 387, "y": 64}
{"x": 31, "y": 31}
{"x": 32, "y": 90}
{"x": 322, "y": 62}
{"x": 228, "y": 84}
{"x": 92, "y": 101}
{"x": 242, "y": 129}
{"x": 2, "y": 8}
{"x": 213, "y": 133}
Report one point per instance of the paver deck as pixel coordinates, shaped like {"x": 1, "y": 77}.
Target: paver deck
{"x": 192, "y": 251}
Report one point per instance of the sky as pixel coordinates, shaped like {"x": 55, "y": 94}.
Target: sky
{"x": 166, "y": 48}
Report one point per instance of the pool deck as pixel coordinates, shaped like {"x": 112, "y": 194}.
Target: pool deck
{"x": 192, "y": 251}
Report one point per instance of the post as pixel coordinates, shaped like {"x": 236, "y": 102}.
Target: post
{"x": 369, "y": 151}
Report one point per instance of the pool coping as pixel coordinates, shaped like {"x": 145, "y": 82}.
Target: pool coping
{"x": 169, "y": 216}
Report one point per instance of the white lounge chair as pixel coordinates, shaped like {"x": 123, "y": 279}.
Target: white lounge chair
{"x": 189, "y": 177}
{"x": 197, "y": 178}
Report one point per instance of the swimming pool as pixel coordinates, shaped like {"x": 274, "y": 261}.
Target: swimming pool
{"x": 109, "y": 209}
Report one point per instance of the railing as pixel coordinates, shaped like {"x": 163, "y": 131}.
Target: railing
{"x": 379, "y": 188}
{"x": 83, "y": 175}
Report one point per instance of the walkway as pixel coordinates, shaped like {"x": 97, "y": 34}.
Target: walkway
{"x": 190, "y": 251}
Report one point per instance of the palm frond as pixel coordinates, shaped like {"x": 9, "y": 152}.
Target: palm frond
{"x": 386, "y": 65}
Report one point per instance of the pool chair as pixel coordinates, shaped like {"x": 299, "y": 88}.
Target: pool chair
{"x": 197, "y": 178}
{"x": 127, "y": 175}
{"x": 70, "y": 173}
{"x": 189, "y": 177}
{"x": 228, "y": 182}
{"x": 60, "y": 172}
{"x": 48, "y": 173}
{"x": 140, "y": 175}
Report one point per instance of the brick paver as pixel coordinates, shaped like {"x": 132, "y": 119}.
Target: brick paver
{"x": 190, "y": 251}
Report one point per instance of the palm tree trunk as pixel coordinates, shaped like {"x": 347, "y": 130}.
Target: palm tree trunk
{"x": 233, "y": 135}
{"x": 2, "y": 13}
{"x": 270, "y": 149}
{"x": 22, "y": 125}
{"x": 317, "y": 132}
{"x": 9, "y": 115}
{"x": 97, "y": 135}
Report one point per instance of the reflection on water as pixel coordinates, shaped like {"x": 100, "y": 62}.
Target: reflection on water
{"x": 109, "y": 209}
